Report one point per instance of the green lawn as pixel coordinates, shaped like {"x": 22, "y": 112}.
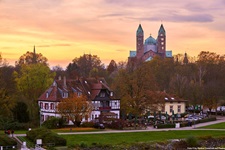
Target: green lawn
{"x": 215, "y": 126}
{"x": 121, "y": 138}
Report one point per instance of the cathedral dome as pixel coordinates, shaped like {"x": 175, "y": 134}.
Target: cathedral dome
{"x": 150, "y": 41}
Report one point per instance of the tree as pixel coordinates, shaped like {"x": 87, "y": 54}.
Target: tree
{"x": 82, "y": 66}
{"x": 32, "y": 81}
{"x": 58, "y": 70}
{"x": 6, "y": 104}
{"x": 3, "y": 62}
{"x": 112, "y": 67}
{"x": 75, "y": 108}
{"x": 31, "y": 58}
{"x": 163, "y": 70}
{"x": 133, "y": 88}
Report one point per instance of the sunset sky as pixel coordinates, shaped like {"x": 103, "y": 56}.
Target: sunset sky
{"x": 64, "y": 29}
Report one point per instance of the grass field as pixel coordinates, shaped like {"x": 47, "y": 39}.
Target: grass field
{"x": 127, "y": 138}
{"x": 215, "y": 126}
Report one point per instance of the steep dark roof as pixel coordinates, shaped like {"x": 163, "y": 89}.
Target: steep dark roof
{"x": 89, "y": 87}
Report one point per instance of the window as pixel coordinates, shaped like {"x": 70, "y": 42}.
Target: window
{"x": 162, "y": 43}
{"x": 65, "y": 95}
{"x": 42, "y": 118}
{"x": 162, "y": 47}
{"x": 102, "y": 94}
{"x": 52, "y": 106}
{"x": 46, "y": 106}
{"x": 171, "y": 108}
{"x": 161, "y": 34}
{"x": 115, "y": 103}
{"x": 179, "y": 108}
{"x": 162, "y": 39}
{"x": 79, "y": 94}
{"x": 41, "y": 105}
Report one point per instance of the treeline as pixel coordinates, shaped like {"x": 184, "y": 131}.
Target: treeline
{"x": 139, "y": 86}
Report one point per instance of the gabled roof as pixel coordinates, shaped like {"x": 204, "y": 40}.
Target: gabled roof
{"x": 91, "y": 87}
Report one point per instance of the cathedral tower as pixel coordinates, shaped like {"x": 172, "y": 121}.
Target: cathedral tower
{"x": 140, "y": 42}
{"x": 161, "y": 41}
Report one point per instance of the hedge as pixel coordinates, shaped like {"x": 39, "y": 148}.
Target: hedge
{"x": 47, "y": 137}
{"x": 184, "y": 124}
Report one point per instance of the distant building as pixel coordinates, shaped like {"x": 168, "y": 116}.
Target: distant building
{"x": 98, "y": 93}
{"x": 151, "y": 47}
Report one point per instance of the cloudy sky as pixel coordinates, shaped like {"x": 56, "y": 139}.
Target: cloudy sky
{"x": 64, "y": 29}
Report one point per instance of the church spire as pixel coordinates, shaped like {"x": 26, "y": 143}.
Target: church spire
{"x": 185, "y": 61}
{"x": 34, "y": 56}
{"x": 140, "y": 30}
{"x": 162, "y": 30}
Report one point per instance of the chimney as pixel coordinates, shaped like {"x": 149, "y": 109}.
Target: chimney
{"x": 64, "y": 81}
{"x": 59, "y": 77}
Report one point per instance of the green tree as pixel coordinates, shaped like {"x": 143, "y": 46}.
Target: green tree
{"x": 6, "y": 104}
{"x": 112, "y": 67}
{"x": 163, "y": 70}
{"x": 83, "y": 65}
{"x": 32, "y": 81}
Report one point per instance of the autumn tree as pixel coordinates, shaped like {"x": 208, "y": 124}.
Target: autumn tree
{"x": 31, "y": 58}
{"x": 133, "y": 87}
{"x": 32, "y": 80}
{"x": 75, "y": 108}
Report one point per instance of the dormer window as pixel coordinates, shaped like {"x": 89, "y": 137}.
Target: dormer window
{"x": 111, "y": 93}
{"x": 85, "y": 81}
{"x": 65, "y": 95}
{"x": 47, "y": 95}
{"x": 79, "y": 94}
{"x": 89, "y": 92}
{"x": 102, "y": 94}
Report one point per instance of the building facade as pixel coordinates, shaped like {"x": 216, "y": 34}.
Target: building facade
{"x": 151, "y": 47}
{"x": 97, "y": 92}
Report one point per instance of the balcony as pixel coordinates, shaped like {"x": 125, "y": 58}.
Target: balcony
{"x": 104, "y": 108}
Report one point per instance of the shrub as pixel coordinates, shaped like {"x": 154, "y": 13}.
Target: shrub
{"x": 117, "y": 124}
{"x": 6, "y": 141}
{"x": 207, "y": 119}
{"x": 159, "y": 126}
{"x": 46, "y": 135}
{"x": 54, "y": 123}
{"x": 87, "y": 124}
{"x": 192, "y": 141}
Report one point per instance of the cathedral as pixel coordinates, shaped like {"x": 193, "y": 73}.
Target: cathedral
{"x": 151, "y": 47}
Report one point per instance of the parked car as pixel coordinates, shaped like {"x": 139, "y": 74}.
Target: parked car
{"x": 99, "y": 126}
